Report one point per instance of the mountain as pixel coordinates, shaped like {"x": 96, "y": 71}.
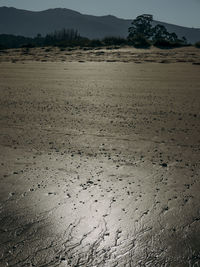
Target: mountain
{"x": 30, "y": 23}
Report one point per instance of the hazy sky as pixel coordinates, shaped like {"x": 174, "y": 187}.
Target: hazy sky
{"x": 181, "y": 12}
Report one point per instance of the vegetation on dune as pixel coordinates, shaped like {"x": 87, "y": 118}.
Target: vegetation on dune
{"x": 62, "y": 38}
{"x": 197, "y": 44}
{"x": 141, "y": 26}
{"x": 114, "y": 41}
{"x": 141, "y": 35}
{"x": 139, "y": 41}
{"x": 11, "y": 41}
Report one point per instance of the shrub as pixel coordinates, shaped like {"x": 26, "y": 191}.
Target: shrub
{"x": 114, "y": 41}
{"x": 2, "y": 47}
{"x": 95, "y": 43}
{"x": 47, "y": 49}
{"x": 197, "y": 44}
{"x": 140, "y": 42}
{"x": 25, "y": 51}
{"x": 28, "y": 45}
{"x": 165, "y": 44}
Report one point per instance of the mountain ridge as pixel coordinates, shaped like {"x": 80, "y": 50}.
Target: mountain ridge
{"x": 30, "y": 23}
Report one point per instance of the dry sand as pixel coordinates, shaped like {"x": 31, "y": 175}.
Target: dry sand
{"x": 108, "y": 54}
{"x": 100, "y": 163}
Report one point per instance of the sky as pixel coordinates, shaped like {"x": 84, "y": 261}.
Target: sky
{"x": 179, "y": 12}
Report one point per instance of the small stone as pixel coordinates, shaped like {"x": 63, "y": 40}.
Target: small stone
{"x": 90, "y": 182}
{"x": 164, "y": 165}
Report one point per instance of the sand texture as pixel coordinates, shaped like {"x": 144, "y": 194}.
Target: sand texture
{"x": 100, "y": 162}
{"x": 106, "y": 54}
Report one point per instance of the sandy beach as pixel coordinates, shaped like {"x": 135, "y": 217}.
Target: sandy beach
{"x": 100, "y": 158}
{"x": 102, "y": 54}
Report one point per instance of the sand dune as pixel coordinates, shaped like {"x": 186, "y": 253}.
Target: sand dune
{"x": 109, "y": 54}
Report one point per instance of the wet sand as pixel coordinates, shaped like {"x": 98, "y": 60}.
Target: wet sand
{"x": 100, "y": 164}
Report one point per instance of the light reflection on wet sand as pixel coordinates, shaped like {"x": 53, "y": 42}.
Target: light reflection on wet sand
{"x": 100, "y": 164}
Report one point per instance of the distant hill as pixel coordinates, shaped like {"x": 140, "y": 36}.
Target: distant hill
{"x": 30, "y": 23}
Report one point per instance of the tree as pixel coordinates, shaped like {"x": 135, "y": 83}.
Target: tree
{"x": 142, "y": 34}
{"x": 159, "y": 32}
{"x": 141, "y": 31}
{"x": 141, "y": 26}
{"x": 172, "y": 37}
{"x": 184, "y": 40}
{"x": 39, "y": 36}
